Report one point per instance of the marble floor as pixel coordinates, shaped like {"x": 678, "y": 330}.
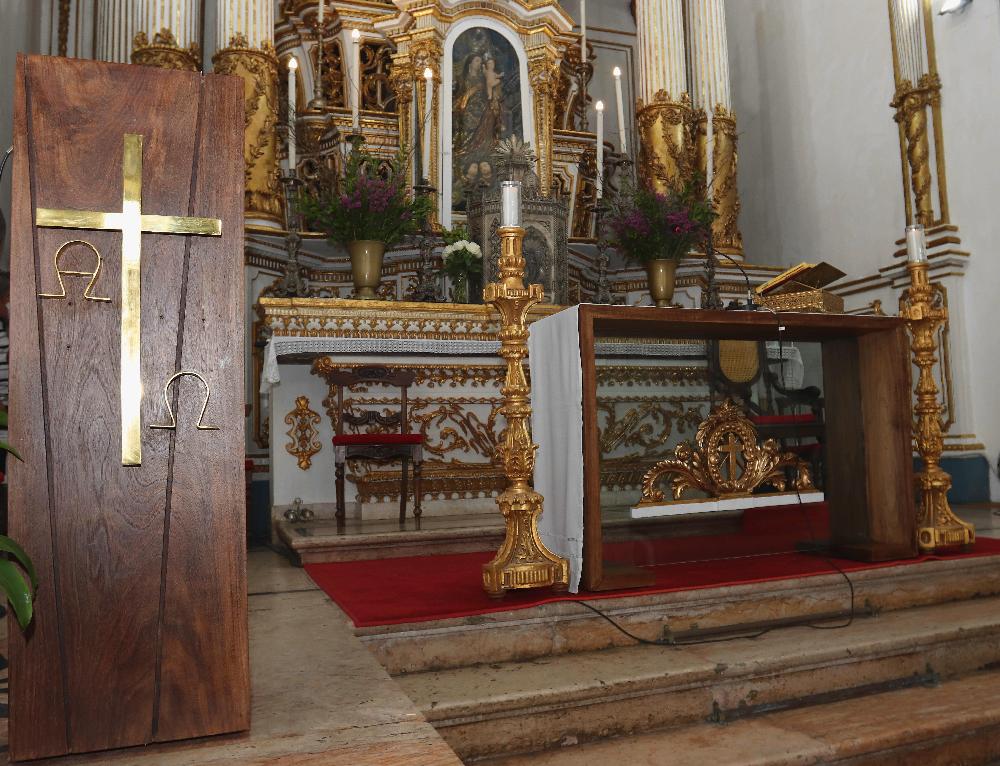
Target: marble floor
{"x": 319, "y": 697}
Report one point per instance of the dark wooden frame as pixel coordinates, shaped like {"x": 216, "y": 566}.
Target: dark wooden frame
{"x": 401, "y": 379}
{"x": 869, "y": 469}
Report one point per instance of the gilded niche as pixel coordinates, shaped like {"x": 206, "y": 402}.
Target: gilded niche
{"x": 486, "y": 106}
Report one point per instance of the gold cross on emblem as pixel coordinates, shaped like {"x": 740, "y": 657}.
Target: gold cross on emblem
{"x": 732, "y": 449}
{"x": 131, "y": 222}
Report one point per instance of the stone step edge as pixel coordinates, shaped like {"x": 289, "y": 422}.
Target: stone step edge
{"x": 604, "y": 690}
{"x": 926, "y": 732}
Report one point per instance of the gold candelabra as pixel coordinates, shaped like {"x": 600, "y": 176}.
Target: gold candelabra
{"x": 523, "y": 561}
{"x": 937, "y": 525}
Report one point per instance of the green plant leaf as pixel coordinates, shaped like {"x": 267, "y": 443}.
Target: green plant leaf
{"x": 18, "y": 594}
{"x": 11, "y": 547}
{"x": 3, "y": 418}
{"x": 5, "y": 446}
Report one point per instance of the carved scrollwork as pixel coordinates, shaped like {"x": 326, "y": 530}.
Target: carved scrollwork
{"x": 727, "y": 461}
{"x": 302, "y": 432}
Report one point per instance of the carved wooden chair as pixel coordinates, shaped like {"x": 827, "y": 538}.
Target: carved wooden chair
{"x": 379, "y": 445}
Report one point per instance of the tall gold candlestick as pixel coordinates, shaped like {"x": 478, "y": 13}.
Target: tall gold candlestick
{"x": 523, "y": 561}
{"x": 937, "y": 525}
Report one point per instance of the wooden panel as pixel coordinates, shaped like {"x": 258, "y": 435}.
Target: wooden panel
{"x": 593, "y": 545}
{"x": 844, "y": 456}
{"x": 100, "y": 529}
{"x": 886, "y": 411}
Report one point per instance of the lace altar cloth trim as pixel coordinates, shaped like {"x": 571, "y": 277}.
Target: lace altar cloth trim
{"x": 281, "y": 345}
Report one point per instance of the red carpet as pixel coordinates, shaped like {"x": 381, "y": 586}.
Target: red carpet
{"x": 422, "y": 588}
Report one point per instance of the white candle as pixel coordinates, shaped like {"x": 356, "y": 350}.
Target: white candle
{"x": 356, "y": 81}
{"x": 916, "y": 245}
{"x": 583, "y": 30}
{"x": 293, "y": 65}
{"x": 510, "y": 203}
{"x": 428, "y": 111}
{"x": 600, "y": 148}
{"x": 322, "y": 5}
{"x": 710, "y": 154}
{"x": 621, "y": 109}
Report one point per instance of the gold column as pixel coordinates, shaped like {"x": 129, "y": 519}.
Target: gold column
{"x": 402, "y": 81}
{"x": 937, "y": 525}
{"x": 543, "y": 73}
{"x": 664, "y": 125}
{"x": 726, "y": 236}
{"x": 259, "y": 70}
{"x": 427, "y": 53}
{"x": 523, "y": 561}
{"x": 911, "y": 103}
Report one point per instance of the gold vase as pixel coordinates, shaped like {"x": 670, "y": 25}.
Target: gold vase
{"x": 366, "y": 267}
{"x": 660, "y": 275}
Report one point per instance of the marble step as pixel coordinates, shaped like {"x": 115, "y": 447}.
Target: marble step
{"x": 509, "y": 707}
{"x": 956, "y": 722}
{"x": 567, "y": 627}
{"x": 320, "y": 540}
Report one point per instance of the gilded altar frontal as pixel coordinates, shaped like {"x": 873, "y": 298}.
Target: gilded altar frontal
{"x": 499, "y": 382}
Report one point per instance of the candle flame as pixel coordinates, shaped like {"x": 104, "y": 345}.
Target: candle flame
{"x": 617, "y": 71}
{"x": 293, "y": 63}
{"x": 428, "y": 73}
{"x": 599, "y": 106}
{"x": 356, "y": 34}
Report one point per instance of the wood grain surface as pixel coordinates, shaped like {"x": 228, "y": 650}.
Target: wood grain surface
{"x": 140, "y": 633}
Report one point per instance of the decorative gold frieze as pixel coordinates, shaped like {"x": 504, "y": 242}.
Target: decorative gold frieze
{"x": 937, "y": 525}
{"x": 727, "y": 461}
{"x": 259, "y": 71}
{"x": 302, "y": 432}
{"x": 543, "y": 73}
{"x": 165, "y": 53}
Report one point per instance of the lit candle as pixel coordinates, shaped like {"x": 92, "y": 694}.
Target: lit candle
{"x": 710, "y": 154}
{"x": 293, "y": 65}
{"x": 621, "y": 109}
{"x": 322, "y": 6}
{"x": 510, "y": 203}
{"x": 600, "y": 148}
{"x": 916, "y": 245}
{"x": 583, "y": 30}
{"x": 356, "y": 81}
{"x": 428, "y": 111}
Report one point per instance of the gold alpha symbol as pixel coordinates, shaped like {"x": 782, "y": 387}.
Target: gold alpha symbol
{"x": 131, "y": 222}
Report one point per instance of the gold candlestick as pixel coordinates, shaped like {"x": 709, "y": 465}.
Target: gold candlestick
{"x": 523, "y": 561}
{"x": 937, "y": 525}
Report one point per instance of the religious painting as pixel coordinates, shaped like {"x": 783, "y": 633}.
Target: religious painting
{"x": 486, "y": 106}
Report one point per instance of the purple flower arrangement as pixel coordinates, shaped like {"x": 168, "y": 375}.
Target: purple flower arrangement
{"x": 372, "y": 202}
{"x": 649, "y": 225}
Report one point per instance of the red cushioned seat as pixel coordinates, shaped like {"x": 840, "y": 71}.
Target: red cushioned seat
{"x": 783, "y": 420}
{"x": 355, "y": 439}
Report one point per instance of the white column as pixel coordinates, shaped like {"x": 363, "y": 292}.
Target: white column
{"x": 660, "y": 43}
{"x": 908, "y": 36}
{"x": 181, "y": 17}
{"x": 117, "y": 23}
{"x": 254, "y": 19}
{"x": 708, "y": 54}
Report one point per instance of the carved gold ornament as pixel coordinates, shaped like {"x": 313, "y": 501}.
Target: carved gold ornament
{"x": 937, "y": 525}
{"x": 303, "y": 433}
{"x": 165, "y": 53}
{"x": 728, "y": 461}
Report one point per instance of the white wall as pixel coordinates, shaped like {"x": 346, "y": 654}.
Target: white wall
{"x": 968, "y": 55}
{"x": 820, "y": 175}
{"x": 819, "y": 171}
{"x": 19, "y": 33}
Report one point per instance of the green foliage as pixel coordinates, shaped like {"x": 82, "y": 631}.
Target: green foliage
{"x": 374, "y": 202}
{"x": 649, "y": 225}
{"x": 19, "y": 593}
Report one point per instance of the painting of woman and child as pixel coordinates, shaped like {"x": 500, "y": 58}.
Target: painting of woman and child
{"x": 486, "y": 106}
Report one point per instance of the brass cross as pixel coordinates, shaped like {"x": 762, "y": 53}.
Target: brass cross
{"x": 732, "y": 449}
{"x": 131, "y": 222}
